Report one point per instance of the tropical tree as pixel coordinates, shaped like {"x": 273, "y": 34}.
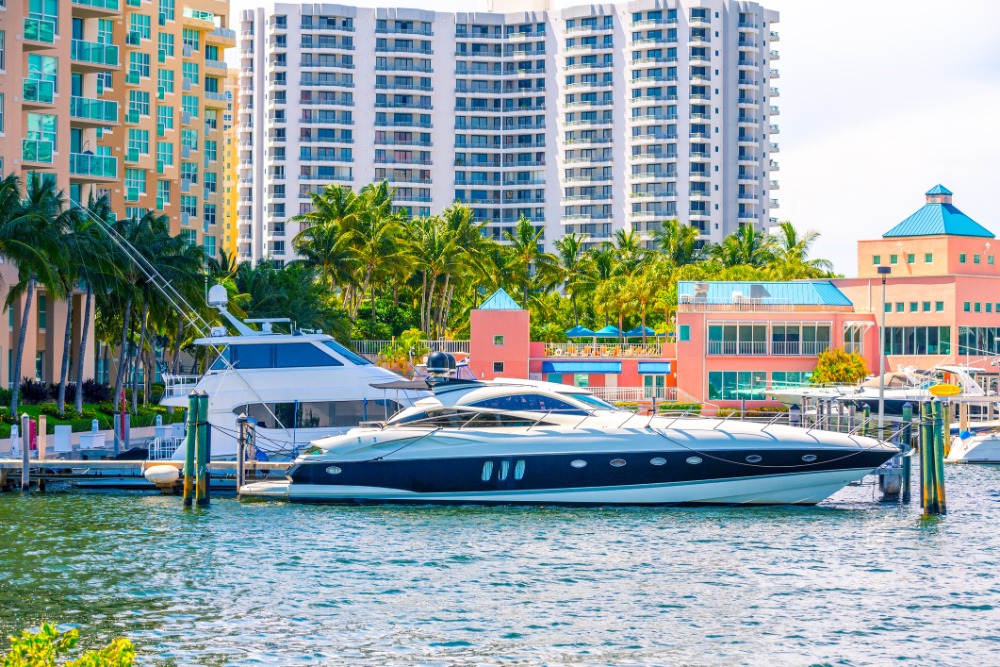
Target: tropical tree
{"x": 375, "y": 241}
{"x": 834, "y": 365}
{"x": 576, "y": 268}
{"x": 613, "y": 296}
{"x": 679, "y": 243}
{"x": 791, "y": 254}
{"x": 530, "y": 267}
{"x": 322, "y": 242}
{"x": 29, "y": 236}
{"x": 643, "y": 288}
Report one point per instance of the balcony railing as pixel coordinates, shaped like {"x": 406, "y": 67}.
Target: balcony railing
{"x": 690, "y": 303}
{"x": 87, "y": 108}
{"x": 652, "y": 349}
{"x": 100, "y": 166}
{"x": 40, "y": 92}
{"x": 94, "y": 52}
{"x": 373, "y": 348}
{"x": 799, "y": 348}
{"x": 39, "y": 30}
{"x": 36, "y": 150}
{"x": 634, "y": 394}
{"x": 112, "y": 5}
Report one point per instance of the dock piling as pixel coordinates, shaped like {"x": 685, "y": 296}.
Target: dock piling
{"x": 241, "y": 451}
{"x": 906, "y": 441}
{"x": 25, "y": 453}
{"x": 189, "y": 447}
{"x": 866, "y": 413}
{"x": 201, "y": 488}
{"x": 941, "y": 436}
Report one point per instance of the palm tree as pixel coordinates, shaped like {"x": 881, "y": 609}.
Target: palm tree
{"x": 792, "y": 252}
{"x": 321, "y": 243}
{"x": 745, "y": 247}
{"x": 375, "y": 240}
{"x": 679, "y": 243}
{"x": 629, "y": 251}
{"x": 30, "y": 238}
{"x": 614, "y": 296}
{"x": 530, "y": 265}
{"x": 643, "y": 288}
{"x": 577, "y": 268}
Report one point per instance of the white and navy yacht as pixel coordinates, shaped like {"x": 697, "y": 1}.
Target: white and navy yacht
{"x": 505, "y": 443}
{"x": 298, "y": 386}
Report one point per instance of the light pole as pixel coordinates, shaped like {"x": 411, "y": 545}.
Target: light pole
{"x": 882, "y": 271}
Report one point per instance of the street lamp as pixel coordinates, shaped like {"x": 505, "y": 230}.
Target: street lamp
{"x": 882, "y": 271}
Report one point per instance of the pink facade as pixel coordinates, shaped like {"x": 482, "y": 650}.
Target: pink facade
{"x": 499, "y": 343}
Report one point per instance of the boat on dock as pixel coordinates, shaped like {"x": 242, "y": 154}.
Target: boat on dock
{"x": 504, "y": 443}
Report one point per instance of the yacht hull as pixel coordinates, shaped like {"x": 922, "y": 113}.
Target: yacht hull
{"x": 718, "y": 478}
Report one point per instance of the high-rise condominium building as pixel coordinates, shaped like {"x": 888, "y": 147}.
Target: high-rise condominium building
{"x": 589, "y": 119}
{"x": 120, "y": 97}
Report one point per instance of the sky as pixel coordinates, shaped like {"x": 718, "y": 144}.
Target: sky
{"x": 880, "y": 100}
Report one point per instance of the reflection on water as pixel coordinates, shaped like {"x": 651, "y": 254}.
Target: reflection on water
{"x": 851, "y": 582}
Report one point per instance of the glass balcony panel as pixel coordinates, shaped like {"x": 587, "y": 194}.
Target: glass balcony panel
{"x": 40, "y": 92}
{"x": 83, "y": 164}
{"x": 36, "y": 150}
{"x": 94, "y": 52}
{"x": 113, "y": 5}
{"x": 38, "y": 30}
{"x": 93, "y": 109}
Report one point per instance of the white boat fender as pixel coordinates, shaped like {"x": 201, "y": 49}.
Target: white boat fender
{"x": 162, "y": 474}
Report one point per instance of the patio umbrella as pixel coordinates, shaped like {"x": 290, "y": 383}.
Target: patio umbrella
{"x": 638, "y": 332}
{"x": 579, "y": 332}
{"x": 608, "y": 332}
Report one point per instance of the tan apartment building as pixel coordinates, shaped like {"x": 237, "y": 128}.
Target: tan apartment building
{"x": 170, "y": 88}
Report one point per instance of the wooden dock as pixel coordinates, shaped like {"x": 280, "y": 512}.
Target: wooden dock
{"x": 109, "y": 473}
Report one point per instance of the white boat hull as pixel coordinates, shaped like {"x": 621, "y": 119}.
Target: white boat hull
{"x": 977, "y": 449}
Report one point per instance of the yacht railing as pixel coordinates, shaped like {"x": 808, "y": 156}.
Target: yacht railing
{"x": 375, "y": 347}
{"x": 178, "y": 385}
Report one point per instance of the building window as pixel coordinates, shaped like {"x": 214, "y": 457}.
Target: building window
{"x": 138, "y": 102}
{"x": 918, "y": 340}
{"x": 737, "y": 385}
{"x": 44, "y": 68}
{"x": 899, "y": 306}
{"x": 939, "y": 306}
{"x": 790, "y": 379}
{"x": 498, "y": 367}
{"x": 43, "y": 312}
{"x": 3, "y": 51}
{"x": 167, "y": 9}
{"x": 913, "y": 306}
{"x": 138, "y": 140}
{"x": 876, "y": 259}
{"x": 189, "y": 236}
{"x": 211, "y": 150}
{"x": 189, "y": 104}
{"x": 1, "y": 114}
{"x": 190, "y": 37}
{"x": 498, "y": 340}
{"x": 165, "y": 153}
{"x": 165, "y": 117}
{"x": 105, "y": 31}
{"x": 684, "y": 333}
{"x": 967, "y": 307}
{"x": 162, "y": 192}
{"x": 989, "y": 260}
{"x": 209, "y": 214}
{"x": 961, "y": 258}
{"x": 138, "y": 24}
{"x": 929, "y": 258}
{"x": 165, "y": 41}
{"x": 989, "y": 307}
{"x": 190, "y": 72}
{"x": 39, "y": 365}
{"x": 138, "y": 64}
{"x": 927, "y": 306}
{"x": 975, "y": 259}
{"x": 135, "y": 179}
{"x": 581, "y": 380}
{"x": 165, "y": 80}
{"x": 911, "y": 258}
{"x": 977, "y": 307}
{"x": 893, "y": 259}
{"x": 978, "y": 340}
{"x": 209, "y": 244}
{"x": 42, "y": 127}
{"x": 887, "y": 307}
{"x": 189, "y": 205}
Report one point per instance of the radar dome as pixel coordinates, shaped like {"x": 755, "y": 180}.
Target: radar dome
{"x": 217, "y": 296}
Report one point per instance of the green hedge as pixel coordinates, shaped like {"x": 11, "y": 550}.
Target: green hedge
{"x": 103, "y": 413}
{"x": 765, "y": 411}
{"x": 693, "y": 408}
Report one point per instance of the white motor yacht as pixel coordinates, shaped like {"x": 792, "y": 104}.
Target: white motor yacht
{"x": 298, "y": 386}
{"x": 975, "y": 448}
{"x": 508, "y": 443}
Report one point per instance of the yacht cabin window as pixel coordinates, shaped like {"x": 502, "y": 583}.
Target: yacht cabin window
{"x": 283, "y": 355}
{"x": 529, "y": 403}
{"x": 318, "y": 414}
{"x": 452, "y": 418}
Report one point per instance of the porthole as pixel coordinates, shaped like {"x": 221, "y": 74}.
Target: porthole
{"x": 694, "y": 460}
{"x": 753, "y": 458}
{"x": 504, "y": 468}
{"x": 658, "y": 461}
{"x": 578, "y": 463}
{"x": 809, "y": 458}
{"x": 519, "y": 470}
{"x": 487, "y": 471}
{"x": 617, "y": 463}
{"x": 333, "y": 470}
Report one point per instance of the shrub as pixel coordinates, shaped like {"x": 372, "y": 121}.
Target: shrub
{"x": 41, "y": 649}
{"x": 767, "y": 411}
{"x": 5, "y": 396}
{"x": 96, "y": 392}
{"x": 693, "y": 408}
{"x": 70, "y": 391}
{"x": 33, "y": 393}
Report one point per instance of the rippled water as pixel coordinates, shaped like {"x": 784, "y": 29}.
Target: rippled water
{"x": 852, "y": 582}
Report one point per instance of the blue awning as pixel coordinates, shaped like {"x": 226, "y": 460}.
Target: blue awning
{"x": 581, "y": 367}
{"x": 654, "y": 368}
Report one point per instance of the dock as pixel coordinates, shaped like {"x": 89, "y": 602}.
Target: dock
{"x": 110, "y": 473}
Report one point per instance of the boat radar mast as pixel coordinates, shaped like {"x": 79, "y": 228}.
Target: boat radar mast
{"x": 218, "y": 298}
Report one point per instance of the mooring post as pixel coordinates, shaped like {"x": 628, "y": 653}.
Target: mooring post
{"x": 866, "y": 413}
{"x": 926, "y": 458}
{"x": 126, "y": 431}
{"x": 941, "y": 434}
{"x": 25, "y": 453}
{"x": 201, "y": 489}
{"x": 241, "y": 451}
{"x": 794, "y": 416}
{"x": 852, "y": 417}
{"x": 189, "y": 447}
{"x": 41, "y": 437}
{"x": 906, "y": 440}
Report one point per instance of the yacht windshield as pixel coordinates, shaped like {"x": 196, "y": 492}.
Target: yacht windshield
{"x": 351, "y": 356}
{"x": 593, "y": 401}
{"x": 529, "y": 403}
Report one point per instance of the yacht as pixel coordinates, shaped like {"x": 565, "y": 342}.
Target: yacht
{"x": 507, "y": 443}
{"x": 907, "y": 385}
{"x": 969, "y": 447}
{"x": 298, "y": 386}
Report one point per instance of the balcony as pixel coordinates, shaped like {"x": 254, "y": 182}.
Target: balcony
{"x": 37, "y": 92}
{"x": 96, "y": 8}
{"x": 93, "y": 55}
{"x": 86, "y": 110}
{"x": 224, "y": 37}
{"x": 198, "y": 18}
{"x": 38, "y": 34}
{"x": 215, "y": 64}
{"x": 85, "y": 167}
{"x": 36, "y": 150}
{"x": 652, "y": 349}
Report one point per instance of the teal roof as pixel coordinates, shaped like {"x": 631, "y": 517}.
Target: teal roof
{"x": 793, "y": 292}
{"x": 937, "y": 218}
{"x": 500, "y": 301}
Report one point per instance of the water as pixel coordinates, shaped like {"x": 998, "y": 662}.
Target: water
{"x": 852, "y": 582}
